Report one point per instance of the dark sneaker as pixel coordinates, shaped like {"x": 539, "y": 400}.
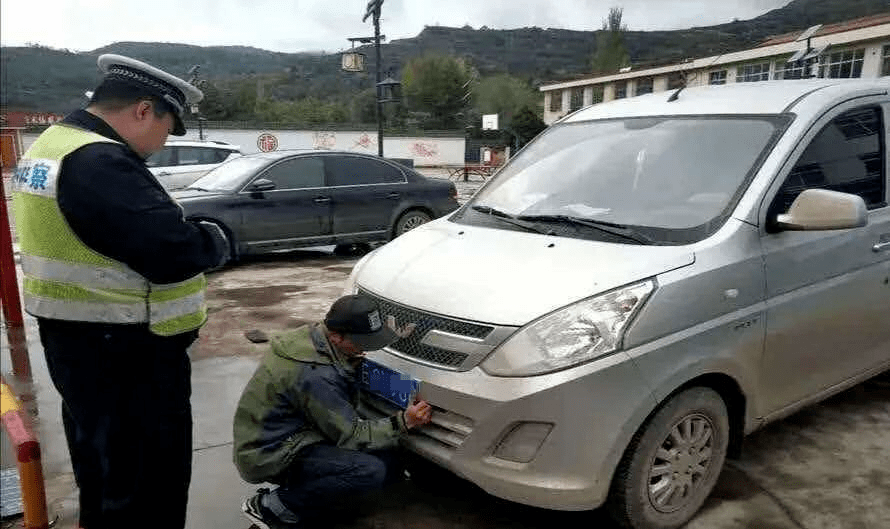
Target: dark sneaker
{"x": 260, "y": 515}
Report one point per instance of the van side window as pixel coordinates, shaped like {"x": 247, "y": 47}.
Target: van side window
{"x": 846, "y": 156}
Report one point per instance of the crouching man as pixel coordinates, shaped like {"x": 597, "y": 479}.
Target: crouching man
{"x": 296, "y": 425}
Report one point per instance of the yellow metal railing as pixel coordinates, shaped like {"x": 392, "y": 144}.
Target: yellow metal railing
{"x": 28, "y": 455}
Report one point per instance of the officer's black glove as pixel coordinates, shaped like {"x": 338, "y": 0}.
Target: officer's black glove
{"x": 223, "y": 248}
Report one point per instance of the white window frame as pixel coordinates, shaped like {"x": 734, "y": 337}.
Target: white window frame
{"x": 836, "y": 61}
{"x": 597, "y": 94}
{"x": 791, "y": 70}
{"x": 718, "y": 77}
{"x": 556, "y": 101}
{"x": 649, "y": 82}
{"x": 576, "y": 98}
{"x": 676, "y": 80}
{"x": 623, "y": 86}
{"x": 753, "y": 72}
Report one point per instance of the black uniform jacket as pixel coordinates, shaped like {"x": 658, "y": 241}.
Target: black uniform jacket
{"x": 117, "y": 207}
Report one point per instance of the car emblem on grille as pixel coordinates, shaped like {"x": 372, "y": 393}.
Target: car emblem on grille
{"x": 404, "y": 331}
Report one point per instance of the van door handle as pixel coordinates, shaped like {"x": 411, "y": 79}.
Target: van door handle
{"x": 322, "y": 200}
{"x": 880, "y": 247}
{"x": 393, "y": 195}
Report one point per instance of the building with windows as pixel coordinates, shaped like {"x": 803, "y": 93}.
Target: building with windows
{"x": 855, "y": 48}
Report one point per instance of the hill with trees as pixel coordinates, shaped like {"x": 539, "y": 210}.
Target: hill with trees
{"x": 309, "y": 89}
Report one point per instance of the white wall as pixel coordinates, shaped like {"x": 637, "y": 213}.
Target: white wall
{"x": 425, "y": 151}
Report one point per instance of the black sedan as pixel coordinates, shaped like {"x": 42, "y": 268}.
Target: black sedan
{"x": 283, "y": 200}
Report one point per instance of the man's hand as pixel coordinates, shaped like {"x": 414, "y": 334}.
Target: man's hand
{"x": 418, "y": 413}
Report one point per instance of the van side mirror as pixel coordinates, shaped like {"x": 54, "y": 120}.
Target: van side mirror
{"x": 822, "y": 209}
{"x": 261, "y": 185}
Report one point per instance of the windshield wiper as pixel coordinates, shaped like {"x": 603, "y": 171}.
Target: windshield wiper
{"x": 195, "y": 188}
{"x": 510, "y": 219}
{"x": 620, "y": 230}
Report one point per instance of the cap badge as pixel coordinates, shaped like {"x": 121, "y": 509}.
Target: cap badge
{"x": 374, "y": 321}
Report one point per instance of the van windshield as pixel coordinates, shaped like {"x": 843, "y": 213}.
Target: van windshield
{"x": 674, "y": 179}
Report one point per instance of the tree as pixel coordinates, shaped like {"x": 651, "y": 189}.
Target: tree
{"x": 611, "y": 54}
{"x": 505, "y": 96}
{"x": 363, "y": 106}
{"x": 241, "y": 99}
{"x": 213, "y": 106}
{"x": 308, "y": 110}
{"x": 438, "y": 85}
{"x": 526, "y": 125}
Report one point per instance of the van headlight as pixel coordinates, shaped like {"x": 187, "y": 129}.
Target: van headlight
{"x": 572, "y": 335}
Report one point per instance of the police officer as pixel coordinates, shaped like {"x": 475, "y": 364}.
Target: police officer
{"x": 113, "y": 273}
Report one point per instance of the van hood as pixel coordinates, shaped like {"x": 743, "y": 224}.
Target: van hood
{"x": 504, "y": 277}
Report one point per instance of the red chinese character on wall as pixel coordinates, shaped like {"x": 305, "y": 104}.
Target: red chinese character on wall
{"x": 267, "y": 142}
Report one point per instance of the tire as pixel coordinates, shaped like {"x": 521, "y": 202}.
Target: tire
{"x": 410, "y": 220}
{"x": 672, "y": 463}
{"x": 352, "y": 250}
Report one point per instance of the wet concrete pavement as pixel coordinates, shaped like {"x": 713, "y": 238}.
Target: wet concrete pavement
{"x": 826, "y": 467}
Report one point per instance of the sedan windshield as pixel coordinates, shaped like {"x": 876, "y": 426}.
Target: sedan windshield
{"x": 230, "y": 175}
{"x": 652, "y": 175}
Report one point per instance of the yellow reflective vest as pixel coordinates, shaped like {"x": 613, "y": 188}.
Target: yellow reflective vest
{"x": 67, "y": 280}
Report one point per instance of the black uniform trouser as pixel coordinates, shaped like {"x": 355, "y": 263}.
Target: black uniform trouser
{"x": 128, "y": 421}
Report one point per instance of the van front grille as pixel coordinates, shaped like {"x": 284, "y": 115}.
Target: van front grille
{"x": 424, "y": 322}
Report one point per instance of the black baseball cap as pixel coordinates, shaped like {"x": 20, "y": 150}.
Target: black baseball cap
{"x": 358, "y": 319}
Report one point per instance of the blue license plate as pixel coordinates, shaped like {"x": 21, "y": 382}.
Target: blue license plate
{"x": 388, "y": 384}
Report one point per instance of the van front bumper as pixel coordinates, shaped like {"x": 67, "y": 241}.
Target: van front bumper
{"x": 586, "y": 416}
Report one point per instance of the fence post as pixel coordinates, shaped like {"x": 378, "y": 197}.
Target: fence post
{"x": 28, "y": 455}
{"x": 9, "y": 296}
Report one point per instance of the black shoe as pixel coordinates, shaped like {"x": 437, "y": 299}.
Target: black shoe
{"x": 260, "y": 515}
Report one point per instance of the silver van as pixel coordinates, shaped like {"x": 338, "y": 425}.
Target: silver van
{"x": 641, "y": 286}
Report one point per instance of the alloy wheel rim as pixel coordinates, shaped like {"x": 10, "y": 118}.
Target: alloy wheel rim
{"x": 681, "y": 463}
{"x": 413, "y": 222}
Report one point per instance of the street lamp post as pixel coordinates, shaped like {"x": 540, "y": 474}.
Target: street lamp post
{"x": 385, "y": 91}
{"x": 196, "y": 110}
{"x": 373, "y": 10}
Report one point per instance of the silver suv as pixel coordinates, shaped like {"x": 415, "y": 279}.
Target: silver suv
{"x": 641, "y": 286}
{"x": 180, "y": 163}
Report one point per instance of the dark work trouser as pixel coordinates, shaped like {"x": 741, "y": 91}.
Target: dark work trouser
{"x": 128, "y": 421}
{"x": 323, "y": 476}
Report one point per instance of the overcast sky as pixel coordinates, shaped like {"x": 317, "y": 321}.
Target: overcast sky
{"x": 324, "y": 25}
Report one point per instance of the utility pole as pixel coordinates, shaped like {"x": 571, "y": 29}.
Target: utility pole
{"x": 385, "y": 91}
{"x": 373, "y": 9}
{"x": 196, "y": 110}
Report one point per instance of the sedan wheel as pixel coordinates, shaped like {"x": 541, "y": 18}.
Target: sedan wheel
{"x": 673, "y": 463}
{"x": 352, "y": 250}
{"x": 410, "y": 220}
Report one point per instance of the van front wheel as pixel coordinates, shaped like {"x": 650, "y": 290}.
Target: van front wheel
{"x": 672, "y": 463}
